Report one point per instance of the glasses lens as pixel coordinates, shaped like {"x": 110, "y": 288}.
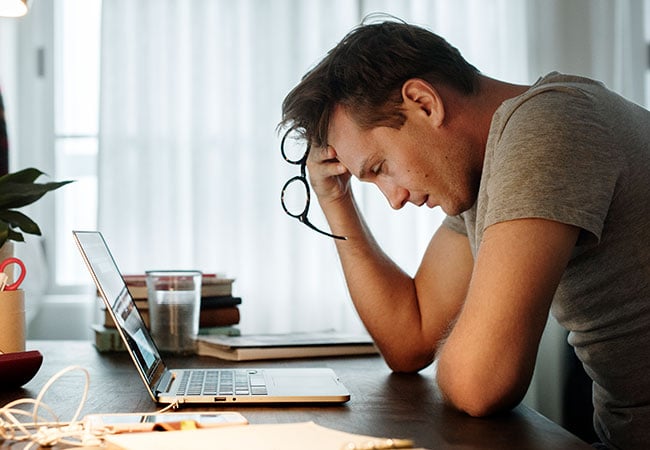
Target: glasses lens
{"x": 294, "y": 196}
{"x": 294, "y": 147}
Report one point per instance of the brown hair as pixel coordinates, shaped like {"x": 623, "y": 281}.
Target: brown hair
{"x": 365, "y": 73}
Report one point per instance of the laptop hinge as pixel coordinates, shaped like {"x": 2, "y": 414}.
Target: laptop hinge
{"x": 165, "y": 382}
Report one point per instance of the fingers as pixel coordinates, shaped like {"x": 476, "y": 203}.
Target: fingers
{"x": 324, "y": 160}
{"x": 328, "y": 177}
{"x": 331, "y": 168}
{"x": 328, "y": 153}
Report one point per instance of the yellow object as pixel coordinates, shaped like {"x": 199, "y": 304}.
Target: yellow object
{"x": 188, "y": 425}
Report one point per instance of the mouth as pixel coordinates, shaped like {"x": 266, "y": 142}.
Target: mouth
{"x": 424, "y": 201}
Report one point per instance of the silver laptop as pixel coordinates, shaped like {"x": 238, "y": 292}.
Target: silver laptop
{"x": 197, "y": 385}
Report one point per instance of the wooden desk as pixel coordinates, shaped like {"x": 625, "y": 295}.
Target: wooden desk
{"x": 382, "y": 404}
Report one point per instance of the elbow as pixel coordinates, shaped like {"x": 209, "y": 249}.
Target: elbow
{"x": 480, "y": 396}
{"x": 408, "y": 362}
{"x": 480, "y": 405}
{"x": 405, "y": 367}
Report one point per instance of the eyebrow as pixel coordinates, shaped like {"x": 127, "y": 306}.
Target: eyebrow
{"x": 363, "y": 170}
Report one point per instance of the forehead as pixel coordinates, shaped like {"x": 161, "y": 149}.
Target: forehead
{"x": 341, "y": 127}
{"x": 353, "y": 145}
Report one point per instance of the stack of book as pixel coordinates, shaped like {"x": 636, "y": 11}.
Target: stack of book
{"x": 219, "y": 314}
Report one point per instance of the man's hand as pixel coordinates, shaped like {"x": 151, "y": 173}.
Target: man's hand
{"x": 329, "y": 178}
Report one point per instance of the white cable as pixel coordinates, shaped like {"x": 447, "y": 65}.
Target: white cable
{"x": 48, "y": 433}
{"x": 52, "y": 380}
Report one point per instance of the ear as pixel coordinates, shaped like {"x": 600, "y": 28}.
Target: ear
{"x": 420, "y": 95}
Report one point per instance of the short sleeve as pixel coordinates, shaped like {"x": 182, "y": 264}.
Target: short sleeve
{"x": 554, "y": 160}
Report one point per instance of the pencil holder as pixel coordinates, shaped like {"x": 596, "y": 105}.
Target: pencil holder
{"x": 12, "y": 321}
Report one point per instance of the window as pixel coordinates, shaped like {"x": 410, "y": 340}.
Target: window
{"x": 76, "y": 123}
{"x": 75, "y": 88}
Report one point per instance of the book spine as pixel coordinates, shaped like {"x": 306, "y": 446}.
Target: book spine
{"x": 214, "y": 317}
{"x": 211, "y": 302}
{"x": 139, "y": 292}
{"x": 221, "y": 331}
{"x": 219, "y": 317}
{"x": 109, "y": 339}
{"x": 219, "y": 301}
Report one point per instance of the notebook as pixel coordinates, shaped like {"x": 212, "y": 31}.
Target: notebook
{"x": 197, "y": 385}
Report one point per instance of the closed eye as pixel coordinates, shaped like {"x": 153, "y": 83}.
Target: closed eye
{"x": 377, "y": 169}
{"x": 368, "y": 170}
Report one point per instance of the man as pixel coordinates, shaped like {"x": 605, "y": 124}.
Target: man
{"x": 547, "y": 194}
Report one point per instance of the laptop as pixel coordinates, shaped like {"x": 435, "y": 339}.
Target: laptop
{"x": 197, "y": 385}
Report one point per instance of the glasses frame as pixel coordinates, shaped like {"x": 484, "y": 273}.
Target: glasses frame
{"x": 302, "y": 178}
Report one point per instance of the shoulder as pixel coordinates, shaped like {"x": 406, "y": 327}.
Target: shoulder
{"x": 552, "y": 153}
{"x": 554, "y": 106}
{"x": 560, "y": 117}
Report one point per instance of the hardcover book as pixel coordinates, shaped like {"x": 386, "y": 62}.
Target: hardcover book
{"x": 287, "y": 345}
{"x": 212, "y": 285}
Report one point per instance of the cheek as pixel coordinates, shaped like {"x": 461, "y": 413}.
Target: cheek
{"x": 422, "y": 167}
{"x": 423, "y": 174}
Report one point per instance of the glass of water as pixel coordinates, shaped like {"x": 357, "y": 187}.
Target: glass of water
{"x": 174, "y": 298}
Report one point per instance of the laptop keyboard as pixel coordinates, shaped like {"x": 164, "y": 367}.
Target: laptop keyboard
{"x": 222, "y": 382}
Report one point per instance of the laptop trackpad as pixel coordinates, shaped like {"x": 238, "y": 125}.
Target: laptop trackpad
{"x": 314, "y": 383}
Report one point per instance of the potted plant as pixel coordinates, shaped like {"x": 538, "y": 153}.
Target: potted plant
{"x": 19, "y": 189}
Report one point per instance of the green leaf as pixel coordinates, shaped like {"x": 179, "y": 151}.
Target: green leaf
{"x": 15, "y": 195}
{"x": 28, "y": 175}
{"x": 7, "y": 234}
{"x": 16, "y": 236}
{"x": 16, "y": 219}
{"x": 4, "y": 232}
{"x": 19, "y": 189}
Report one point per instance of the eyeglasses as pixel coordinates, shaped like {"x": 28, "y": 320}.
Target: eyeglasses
{"x": 296, "y": 194}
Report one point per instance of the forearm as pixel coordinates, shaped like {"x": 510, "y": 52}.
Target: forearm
{"x": 407, "y": 317}
{"x": 385, "y": 297}
{"x": 488, "y": 359}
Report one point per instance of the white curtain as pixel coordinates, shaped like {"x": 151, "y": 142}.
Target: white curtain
{"x": 190, "y": 170}
{"x": 602, "y": 39}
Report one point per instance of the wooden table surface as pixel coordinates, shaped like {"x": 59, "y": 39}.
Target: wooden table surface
{"x": 382, "y": 403}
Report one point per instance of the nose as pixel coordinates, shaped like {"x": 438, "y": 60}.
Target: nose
{"x": 397, "y": 197}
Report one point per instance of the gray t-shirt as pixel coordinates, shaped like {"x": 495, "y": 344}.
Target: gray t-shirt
{"x": 571, "y": 151}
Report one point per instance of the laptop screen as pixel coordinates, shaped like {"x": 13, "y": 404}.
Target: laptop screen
{"x": 116, "y": 296}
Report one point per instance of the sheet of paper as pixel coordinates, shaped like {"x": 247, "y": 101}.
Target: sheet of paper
{"x": 291, "y": 436}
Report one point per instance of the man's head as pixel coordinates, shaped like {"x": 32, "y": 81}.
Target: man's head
{"x": 365, "y": 72}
